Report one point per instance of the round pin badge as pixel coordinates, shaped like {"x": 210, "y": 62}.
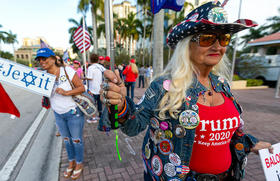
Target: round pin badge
{"x": 163, "y": 125}
{"x": 182, "y": 169}
{"x": 175, "y": 159}
{"x": 189, "y": 119}
{"x": 169, "y": 169}
{"x": 156, "y": 165}
{"x": 165, "y": 147}
{"x": 168, "y": 134}
{"x": 239, "y": 146}
{"x": 166, "y": 84}
{"x": 195, "y": 107}
{"x": 147, "y": 151}
{"x": 179, "y": 131}
{"x": 154, "y": 123}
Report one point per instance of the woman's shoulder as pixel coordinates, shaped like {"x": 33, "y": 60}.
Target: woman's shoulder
{"x": 69, "y": 69}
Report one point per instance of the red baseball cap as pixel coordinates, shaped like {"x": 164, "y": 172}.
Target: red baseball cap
{"x": 107, "y": 58}
{"x": 101, "y": 58}
{"x": 132, "y": 60}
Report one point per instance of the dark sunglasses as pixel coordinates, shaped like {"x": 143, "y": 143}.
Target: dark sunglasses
{"x": 208, "y": 39}
{"x": 41, "y": 58}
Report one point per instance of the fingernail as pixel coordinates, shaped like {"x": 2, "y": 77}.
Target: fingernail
{"x": 115, "y": 81}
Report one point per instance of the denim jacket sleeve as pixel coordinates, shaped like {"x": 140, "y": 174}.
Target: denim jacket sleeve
{"x": 138, "y": 115}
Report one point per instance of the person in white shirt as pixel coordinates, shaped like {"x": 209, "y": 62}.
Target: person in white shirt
{"x": 94, "y": 75}
{"x": 69, "y": 118}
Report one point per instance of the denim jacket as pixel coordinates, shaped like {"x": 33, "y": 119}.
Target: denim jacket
{"x": 142, "y": 115}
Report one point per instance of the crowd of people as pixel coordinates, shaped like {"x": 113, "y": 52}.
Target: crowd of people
{"x": 195, "y": 127}
{"x": 69, "y": 118}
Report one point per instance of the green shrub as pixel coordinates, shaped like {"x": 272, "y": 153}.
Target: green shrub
{"x": 236, "y": 77}
{"x": 254, "y": 82}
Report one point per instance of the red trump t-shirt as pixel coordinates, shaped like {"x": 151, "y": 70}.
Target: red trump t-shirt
{"x": 211, "y": 149}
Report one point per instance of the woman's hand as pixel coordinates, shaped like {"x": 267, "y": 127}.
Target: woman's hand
{"x": 262, "y": 145}
{"x": 61, "y": 91}
{"x": 113, "y": 90}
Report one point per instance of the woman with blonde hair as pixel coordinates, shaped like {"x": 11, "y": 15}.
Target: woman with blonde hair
{"x": 195, "y": 130}
{"x": 131, "y": 74}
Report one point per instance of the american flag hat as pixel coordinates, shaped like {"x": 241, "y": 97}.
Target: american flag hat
{"x": 209, "y": 16}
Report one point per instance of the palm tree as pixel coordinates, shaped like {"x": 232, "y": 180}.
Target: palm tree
{"x": 145, "y": 6}
{"x": 95, "y": 6}
{"x": 131, "y": 25}
{"x": 274, "y": 26}
{"x": 2, "y": 36}
{"x": 11, "y": 39}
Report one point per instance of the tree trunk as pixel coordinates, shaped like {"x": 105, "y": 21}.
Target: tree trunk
{"x": 158, "y": 43}
{"x": 94, "y": 28}
{"x": 144, "y": 35}
{"x": 14, "y": 53}
{"x": 130, "y": 46}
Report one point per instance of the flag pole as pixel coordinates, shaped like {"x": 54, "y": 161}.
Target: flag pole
{"x": 235, "y": 46}
{"x": 112, "y": 50}
{"x": 84, "y": 46}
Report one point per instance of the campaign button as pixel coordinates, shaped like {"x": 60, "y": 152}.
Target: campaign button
{"x": 179, "y": 131}
{"x": 154, "y": 123}
{"x": 175, "y": 159}
{"x": 159, "y": 134}
{"x": 239, "y": 146}
{"x": 182, "y": 169}
{"x": 164, "y": 125}
{"x": 195, "y": 107}
{"x": 165, "y": 147}
{"x": 147, "y": 151}
{"x": 156, "y": 165}
{"x": 168, "y": 134}
{"x": 189, "y": 119}
{"x": 169, "y": 169}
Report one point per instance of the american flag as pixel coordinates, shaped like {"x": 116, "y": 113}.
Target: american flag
{"x": 43, "y": 44}
{"x": 78, "y": 39}
{"x": 65, "y": 56}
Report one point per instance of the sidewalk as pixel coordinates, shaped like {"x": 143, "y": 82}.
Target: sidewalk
{"x": 261, "y": 113}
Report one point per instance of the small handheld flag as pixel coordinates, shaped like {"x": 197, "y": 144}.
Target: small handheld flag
{"x": 7, "y": 105}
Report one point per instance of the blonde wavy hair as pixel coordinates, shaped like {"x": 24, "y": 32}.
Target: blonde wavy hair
{"x": 181, "y": 71}
{"x": 134, "y": 68}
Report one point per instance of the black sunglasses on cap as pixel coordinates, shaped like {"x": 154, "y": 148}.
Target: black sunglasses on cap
{"x": 208, "y": 39}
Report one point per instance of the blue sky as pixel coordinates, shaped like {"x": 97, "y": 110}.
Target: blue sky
{"x": 49, "y": 18}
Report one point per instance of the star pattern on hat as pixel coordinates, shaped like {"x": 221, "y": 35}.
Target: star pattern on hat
{"x": 26, "y": 78}
{"x": 209, "y": 16}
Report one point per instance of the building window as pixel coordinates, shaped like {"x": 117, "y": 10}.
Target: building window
{"x": 26, "y": 56}
{"x": 22, "y": 56}
{"x": 17, "y": 56}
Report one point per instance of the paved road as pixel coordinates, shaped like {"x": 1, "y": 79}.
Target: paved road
{"x": 12, "y": 131}
{"x": 261, "y": 113}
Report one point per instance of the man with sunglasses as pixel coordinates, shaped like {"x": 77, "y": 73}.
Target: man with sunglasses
{"x": 195, "y": 130}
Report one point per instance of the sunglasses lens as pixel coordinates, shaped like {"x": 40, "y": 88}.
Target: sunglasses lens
{"x": 224, "y": 39}
{"x": 206, "y": 40}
